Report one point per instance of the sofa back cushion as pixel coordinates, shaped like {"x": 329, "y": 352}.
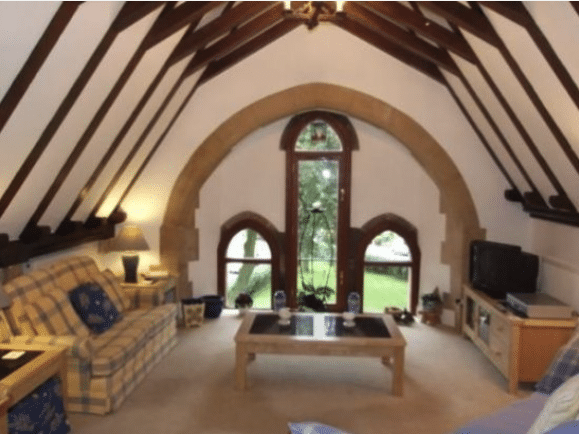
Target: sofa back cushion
{"x": 70, "y": 272}
{"x": 94, "y": 307}
{"x": 52, "y": 314}
{"x": 24, "y": 290}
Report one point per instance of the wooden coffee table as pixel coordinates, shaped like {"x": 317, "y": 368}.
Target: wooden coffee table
{"x": 322, "y": 334}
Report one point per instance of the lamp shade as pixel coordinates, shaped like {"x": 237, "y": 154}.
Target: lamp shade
{"x": 129, "y": 238}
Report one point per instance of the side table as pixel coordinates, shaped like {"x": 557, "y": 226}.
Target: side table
{"x": 149, "y": 293}
{"x": 16, "y": 385}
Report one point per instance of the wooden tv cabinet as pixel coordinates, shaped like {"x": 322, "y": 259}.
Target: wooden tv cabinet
{"x": 521, "y": 348}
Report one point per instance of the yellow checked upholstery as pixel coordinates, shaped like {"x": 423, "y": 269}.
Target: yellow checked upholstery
{"x": 102, "y": 369}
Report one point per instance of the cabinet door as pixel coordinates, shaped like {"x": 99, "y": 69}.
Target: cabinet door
{"x": 538, "y": 346}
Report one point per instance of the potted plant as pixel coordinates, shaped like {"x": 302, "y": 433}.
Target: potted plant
{"x": 314, "y": 298}
{"x": 243, "y": 302}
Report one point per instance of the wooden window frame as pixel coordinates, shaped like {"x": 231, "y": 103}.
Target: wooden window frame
{"x": 393, "y": 223}
{"x": 345, "y": 131}
{"x": 266, "y": 230}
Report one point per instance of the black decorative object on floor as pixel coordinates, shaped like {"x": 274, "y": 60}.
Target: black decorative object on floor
{"x": 213, "y": 305}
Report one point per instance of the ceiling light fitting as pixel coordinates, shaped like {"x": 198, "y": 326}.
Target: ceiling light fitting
{"x": 312, "y": 13}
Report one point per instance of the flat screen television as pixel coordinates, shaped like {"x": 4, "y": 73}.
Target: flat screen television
{"x": 497, "y": 268}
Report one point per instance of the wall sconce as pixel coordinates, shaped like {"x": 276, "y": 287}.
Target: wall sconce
{"x": 312, "y": 13}
{"x": 130, "y": 239}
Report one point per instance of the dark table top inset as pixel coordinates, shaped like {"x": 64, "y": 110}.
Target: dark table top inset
{"x": 7, "y": 367}
{"x": 303, "y": 325}
{"x": 268, "y": 324}
{"x": 364, "y": 327}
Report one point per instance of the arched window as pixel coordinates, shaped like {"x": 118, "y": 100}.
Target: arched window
{"x": 388, "y": 259}
{"x": 247, "y": 260}
{"x": 318, "y": 149}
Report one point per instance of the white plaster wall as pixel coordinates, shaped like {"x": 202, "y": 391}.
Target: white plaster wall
{"x": 558, "y": 249}
{"x": 22, "y": 24}
{"x": 385, "y": 179}
{"x": 329, "y": 54}
{"x": 45, "y": 95}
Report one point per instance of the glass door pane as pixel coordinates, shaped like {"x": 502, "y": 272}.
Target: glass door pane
{"x": 317, "y": 228}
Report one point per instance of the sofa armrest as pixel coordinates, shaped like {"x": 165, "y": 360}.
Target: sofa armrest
{"x": 78, "y": 347}
{"x": 149, "y": 295}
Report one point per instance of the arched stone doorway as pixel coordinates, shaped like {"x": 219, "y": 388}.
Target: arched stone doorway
{"x": 179, "y": 235}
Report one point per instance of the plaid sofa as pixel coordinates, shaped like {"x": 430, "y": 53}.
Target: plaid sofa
{"x": 102, "y": 369}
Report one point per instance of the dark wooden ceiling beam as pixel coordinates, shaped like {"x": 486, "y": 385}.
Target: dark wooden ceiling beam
{"x": 217, "y": 67}
{"x": 514, "y": 11}
{"x": 464, "y": 17}
{"x": 219, "y": 27}
{"x": 117, "y": 141}
{"x": 535, "y": 198}
{"x": 387, "y": 46}
{"x": 132, "y": 12}
{"x": 175, "y": 19}
{"x": 485, "y": 143}
{"x": 517, "y": 12}
{"x": 60, "y": 114}
{"x": 562, "y": 199}
{"x": 429, "y": 29}
{"x": 32, "y": 225}
{"x": 399, "y": 36}
{"x": 36, "y": 59}
{"x": 157, "y": 144}
{"x": 531, "y": 145}
{"x": 18, "y": 252}
{"x": 236, "y": 39}
{"x": 136, "y": 146}
{"x": 147, "y": 129}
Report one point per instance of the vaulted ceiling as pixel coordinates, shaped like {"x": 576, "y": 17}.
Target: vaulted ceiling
{"x": 443, "y": 40}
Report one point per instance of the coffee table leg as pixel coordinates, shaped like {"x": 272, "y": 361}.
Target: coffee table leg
{"x": 241, "y": 358}
{"x": 398, "y": 372}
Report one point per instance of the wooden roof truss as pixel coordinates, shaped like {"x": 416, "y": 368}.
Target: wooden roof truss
{"x": 219, "y": 35}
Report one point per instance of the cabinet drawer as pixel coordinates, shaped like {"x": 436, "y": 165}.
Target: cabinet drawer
{"x": 500, "y": 327}
{"x": 500, "y": 350}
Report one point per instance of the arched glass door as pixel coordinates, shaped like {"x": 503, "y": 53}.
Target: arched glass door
{"x": 318, "y": 148}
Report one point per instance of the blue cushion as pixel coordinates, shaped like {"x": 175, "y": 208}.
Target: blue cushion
{"x": 571, "y": 427}
{"x": 94, "y": 307}
{"x": 42, "y": 411}
{"x": 313, "y": 428}
{"x": 564, "y": 365}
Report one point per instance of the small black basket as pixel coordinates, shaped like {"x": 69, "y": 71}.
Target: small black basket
{"x": 213, "y": 305}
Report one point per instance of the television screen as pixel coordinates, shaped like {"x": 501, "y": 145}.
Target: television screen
{"x": 497, "y": 268}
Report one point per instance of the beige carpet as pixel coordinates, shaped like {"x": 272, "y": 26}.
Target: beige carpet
{"x": 447, "y": 382}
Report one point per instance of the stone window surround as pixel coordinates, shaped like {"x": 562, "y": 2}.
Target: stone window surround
{"x": 179, "y": 234}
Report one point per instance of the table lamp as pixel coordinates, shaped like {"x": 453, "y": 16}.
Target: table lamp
{"x": 130, "y": 239}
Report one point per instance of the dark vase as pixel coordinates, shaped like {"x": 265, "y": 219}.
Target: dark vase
{"x": 213, "y": 305}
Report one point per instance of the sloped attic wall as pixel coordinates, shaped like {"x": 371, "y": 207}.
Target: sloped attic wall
{"x": 303, "y": 57}
{"x": 325, "y": 55}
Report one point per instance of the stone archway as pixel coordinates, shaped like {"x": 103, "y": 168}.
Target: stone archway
{"x": 179, "y": 235}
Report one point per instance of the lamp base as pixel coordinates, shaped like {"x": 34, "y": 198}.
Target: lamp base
{"x": 131, "y": 263}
